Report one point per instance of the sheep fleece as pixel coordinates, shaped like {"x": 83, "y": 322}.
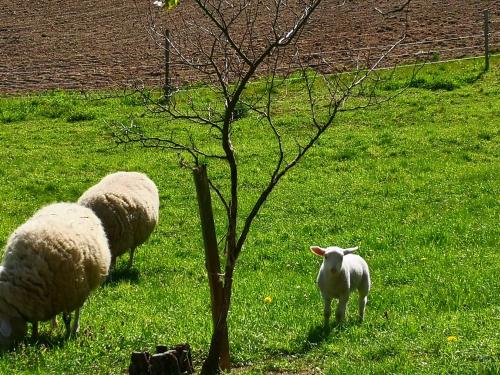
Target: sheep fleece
{"x": 128, "y": 205}
{"x": 53, "y": 261}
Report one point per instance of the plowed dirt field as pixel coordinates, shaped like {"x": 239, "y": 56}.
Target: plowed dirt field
{"x": 95, "y": 44}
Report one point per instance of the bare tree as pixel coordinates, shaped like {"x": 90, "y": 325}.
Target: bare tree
{"x": 248, "y": 55}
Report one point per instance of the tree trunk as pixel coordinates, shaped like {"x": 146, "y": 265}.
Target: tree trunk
{"x": 220, "y": 331}
{"x": 218, "y": 358}
{"x": 213, "y": 363}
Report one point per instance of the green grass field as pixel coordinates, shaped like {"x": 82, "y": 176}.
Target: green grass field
{"x": 413, "y": 182}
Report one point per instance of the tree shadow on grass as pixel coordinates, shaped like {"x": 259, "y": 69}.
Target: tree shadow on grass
{"x": 123, "y": 274}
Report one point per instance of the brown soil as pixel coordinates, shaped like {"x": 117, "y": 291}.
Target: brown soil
{"x": 91, "y": 44}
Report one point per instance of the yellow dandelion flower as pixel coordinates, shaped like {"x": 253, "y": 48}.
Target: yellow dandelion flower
{"x": 452, "y": 338}
{"x": 268, "y": 299}
{"x": 423, "y": 259}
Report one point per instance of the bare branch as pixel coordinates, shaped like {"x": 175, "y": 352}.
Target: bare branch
{"x": 123, "y": 134}
{"x": 219, "y": 194}
{"x": 336, "y": 104}
{"x": 171, "y": 109}
{"x": 288, "y": 37}
{"x": 222, "y": 26}
{"x": 372, "y": 102}
{"x": 377, "y": 63}
{"x": 309, "y": 83}
{"x": 272, "y": 183}
{"x": 277, "y": 135}
{"x": 398, "y": 9}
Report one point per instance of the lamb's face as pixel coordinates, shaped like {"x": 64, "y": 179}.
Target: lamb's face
{"x": 333, "y": 256}
{"x": 332, "y": 260}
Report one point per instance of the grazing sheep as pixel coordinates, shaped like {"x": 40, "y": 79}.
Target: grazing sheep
{"x": 127, "y": 204}
{"x": 51, "y": 264}
{"x": 340, "y": 273}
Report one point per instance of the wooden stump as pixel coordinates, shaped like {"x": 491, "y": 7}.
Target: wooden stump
{"x": 166, "y": 361}
{"x": 165, "y": 364}
{"x": 140, "y": 364}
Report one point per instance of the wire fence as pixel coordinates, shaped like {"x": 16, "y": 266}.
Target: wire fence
{"x": 348, "y": 53}
{"x": 112, "y": 48}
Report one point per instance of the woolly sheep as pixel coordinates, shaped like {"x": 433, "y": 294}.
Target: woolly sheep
{"x": 127, "y": 204}
{"x": 341, "y": 273}
{"x": 51, "y": 264}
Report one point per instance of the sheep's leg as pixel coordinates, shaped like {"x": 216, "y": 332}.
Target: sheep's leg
{"x": 111, "y": 268}
{"x": 76, "y": 323}
{"x": 67, "y": 322}
{"x": 131, "y": 259}
{"x": 362, "y": 304}
{"x": 112, "y": 264}
{"x": 34, "y": 331}
{"x": 340, "y": 312}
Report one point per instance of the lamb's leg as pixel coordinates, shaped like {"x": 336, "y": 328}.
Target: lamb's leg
{"x": 67, "y": 322}
{"x": 76, "y": 323}
{"x": 34, "y": 331}
{"x": 362, "y": 304}
{"x": 363, "y": 290}
{"x": 328, "y": 310}
{"x": 131, "y": 259}
{"x": 340, "y": 312}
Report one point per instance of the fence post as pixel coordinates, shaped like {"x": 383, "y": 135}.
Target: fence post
{"x": 486, "y": 15}
{"x": 212, "y": 261}
{"x": 167, "y": 87}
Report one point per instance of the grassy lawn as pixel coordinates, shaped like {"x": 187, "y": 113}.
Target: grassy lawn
{"x": 413, "y": 182}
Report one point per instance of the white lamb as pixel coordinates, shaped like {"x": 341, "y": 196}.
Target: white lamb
{"x": 51, "y": 264}
{"x": 341, "y": 273}
{"x": 128, "y": 205}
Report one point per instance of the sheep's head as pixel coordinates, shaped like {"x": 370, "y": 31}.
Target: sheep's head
{"x": 12, "y": 326}
{"x": 11, "y": 330}
{"x": 333, "y": 256}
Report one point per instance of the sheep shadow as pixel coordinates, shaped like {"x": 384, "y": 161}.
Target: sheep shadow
{"x": 316, "y": 336}
{"x": 121, "y": 274}
{"x": 48, "y": 340}
{"x": 45, "y": 340}
{"x": 320, "y": 333}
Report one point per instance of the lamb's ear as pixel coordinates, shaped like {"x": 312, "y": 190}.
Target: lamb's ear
{"x": 350, "y": 250}
{"x": 317, "y": 250}
{"x": 5, "y": 328}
